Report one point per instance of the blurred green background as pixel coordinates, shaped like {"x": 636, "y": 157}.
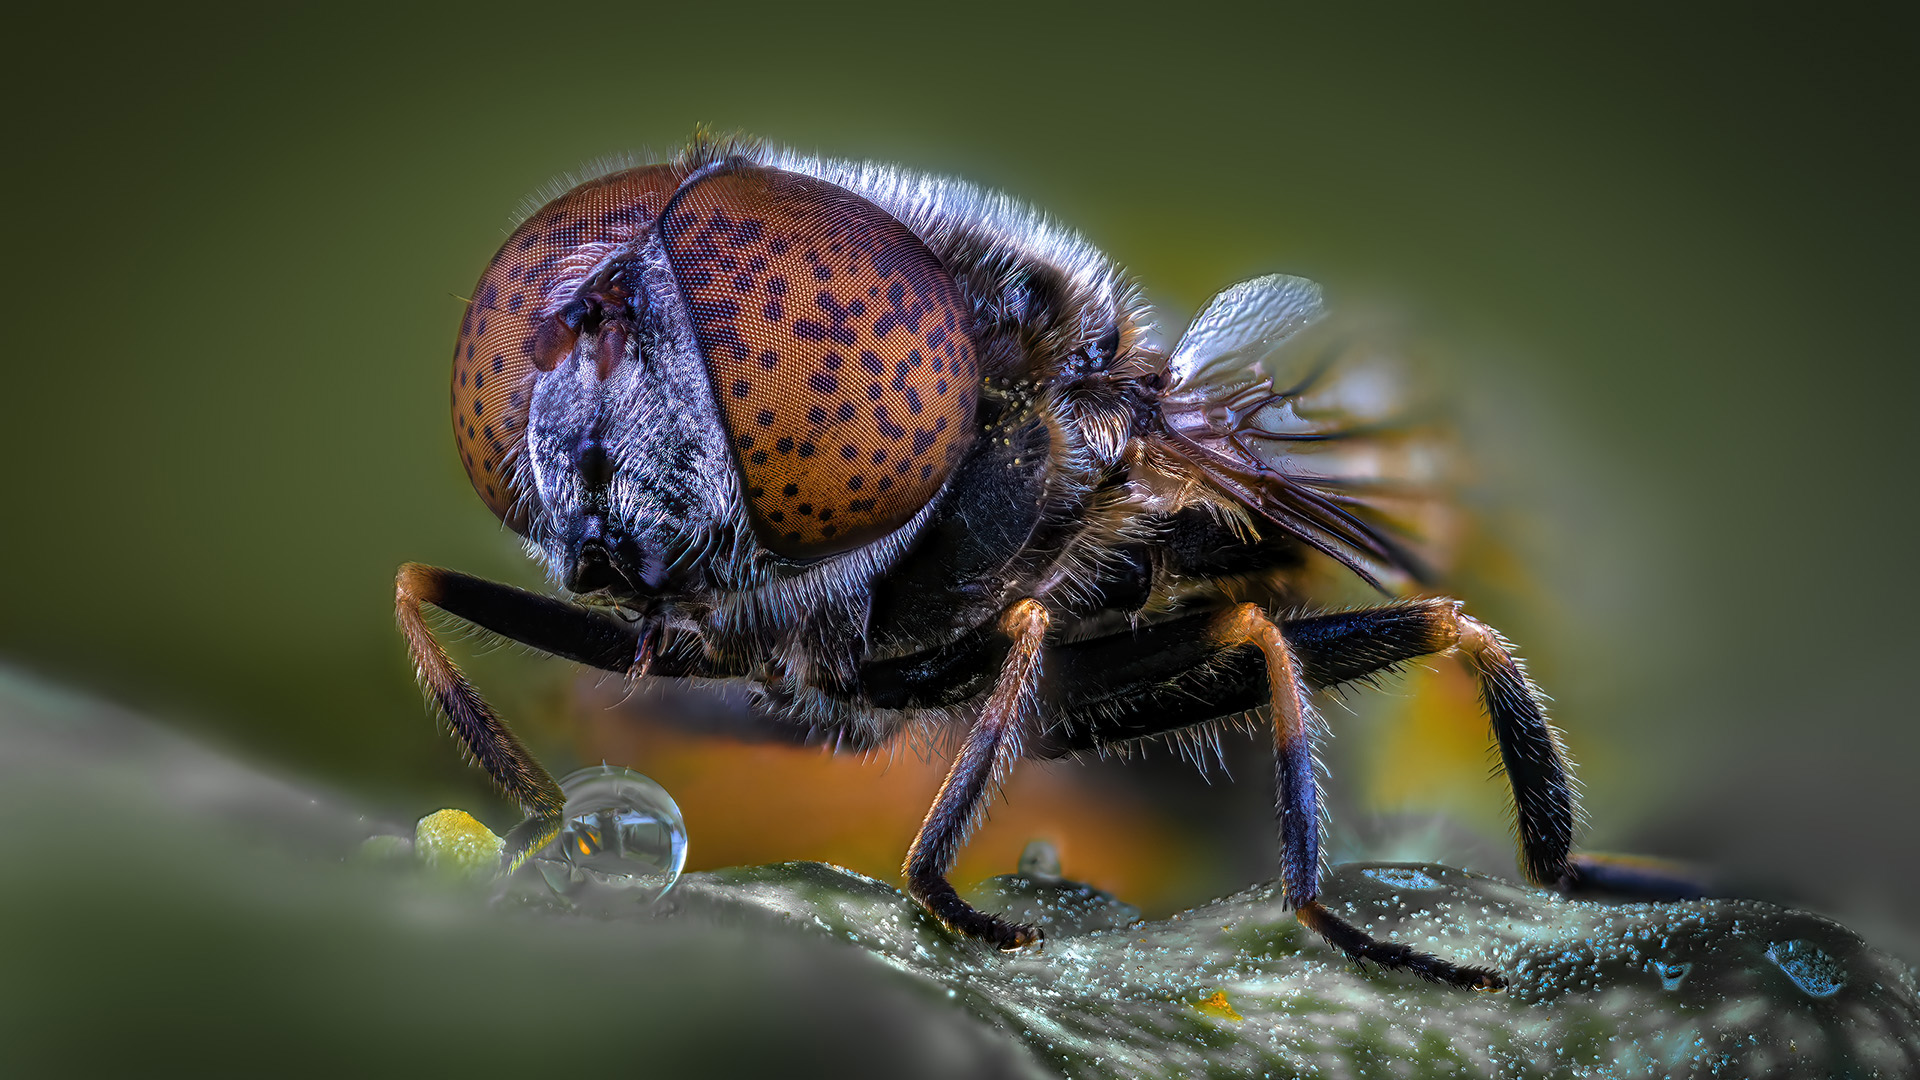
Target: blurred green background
{"x": 1675, "y": 254}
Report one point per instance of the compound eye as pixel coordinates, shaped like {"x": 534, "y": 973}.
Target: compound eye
{"x": 509, "y": 335}
{"x": 838, "y": 346}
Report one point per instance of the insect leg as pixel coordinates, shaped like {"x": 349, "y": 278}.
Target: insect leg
{"x": 589, "y": 637}
{"x": 1298, "y": 807}
{"x": 991, "y": 747}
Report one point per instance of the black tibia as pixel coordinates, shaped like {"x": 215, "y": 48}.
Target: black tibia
{"x": 1297, "y": 805}
{"x": 1543, "y": 795}
{"x": 1297, "y": 790}
{"x": 991, "y": 747}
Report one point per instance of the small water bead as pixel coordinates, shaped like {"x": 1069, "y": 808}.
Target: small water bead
{"x": 1809, "y": 966}
{"x": 622, "y": 834}
{"x": 1671, "y": 975}
{"x": 1401, "y": 877}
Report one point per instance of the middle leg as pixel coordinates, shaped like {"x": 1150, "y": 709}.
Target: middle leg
{"x": 1297, "y": 805}
{"x": 992, "y": 745}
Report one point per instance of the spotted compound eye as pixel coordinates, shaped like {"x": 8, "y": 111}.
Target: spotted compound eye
{"x": 542, "y": 265}
{"x": 838, "y": 347}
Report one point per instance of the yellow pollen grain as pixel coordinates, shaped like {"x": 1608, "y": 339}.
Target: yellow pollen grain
{"x": 1219, "y": 1006}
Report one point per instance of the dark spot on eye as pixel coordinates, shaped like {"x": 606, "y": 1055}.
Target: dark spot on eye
{"x": 849, "y": 452}
{"x": 469, "y": 351}
{"x": 826, "y": 514}
{"x": 940, "y": 425}
{"x": 741, "y": 389}
{"x": 905, "y": 467}
{"x": 860, "y": 506}
{"x": 922, "y": 439}
{"x": 887, "y": 427}
{"x": 823, "y": 383}
{"x": 879, "y": 457}
{"x": 774, "y": 312}
{"x": 747, "y": 232}
{"x": 778, "y": 515}
{"x": 487, "y": 465}
{"x": 829, "y": 530}
{"x": 765, "y": 418}
{"x": 873, "y": 290}
{"x": 769, "y": 360}
{"x": 913, "y": 401}
{"x": 808, "y": 330}
{"x": 756, "y": 492}
{"x": 874, "y": 393}
{"x": 804, "y": 509}
{"x": 742, "y": 283}
{"x": 805, "y": 449}
{"x": 513, "y": 304}
{"x": 885, "y": 483}
{"x": 926, "y": 471}
{"x": 780, "y": 246}
{"x": 482, "y": 331}
{"x": 746, "y": 442}
{"x": 777, "y": 285}
{"x": 463, "y": 377}
{"x": 759, "y": 457}
{"x": 790, "y": 490}
{"x": 940, "y": 387}
{"x": 785, "y": 445}
{"x": 822, "y": 272}
{"x": 816, "y": 416}
{"x": 854, "y": 482}
{"x": 479, "y": 379}
{"x": 488, "y": 432}
{"x": 476, "y": 406}
{"x": 832, "y": 361}
{"x": 872, "y": 363}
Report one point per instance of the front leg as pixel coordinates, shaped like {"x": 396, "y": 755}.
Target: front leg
{"x": 581, "y": 634}
{"x": 991, "y": 748}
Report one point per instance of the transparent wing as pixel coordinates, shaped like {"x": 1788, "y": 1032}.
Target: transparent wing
{"x": 1317, "y": 423}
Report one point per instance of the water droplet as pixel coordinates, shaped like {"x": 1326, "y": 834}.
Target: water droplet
{"x": 1671, "y": 975}
{"x": 1040, "y": 861}
{"x": 1809, "y": 966}
{"x": 1400, "y": 877}
{"x": 622, "y": 832}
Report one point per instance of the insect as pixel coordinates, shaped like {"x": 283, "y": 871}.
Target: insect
{"x": 902, "y": 454}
